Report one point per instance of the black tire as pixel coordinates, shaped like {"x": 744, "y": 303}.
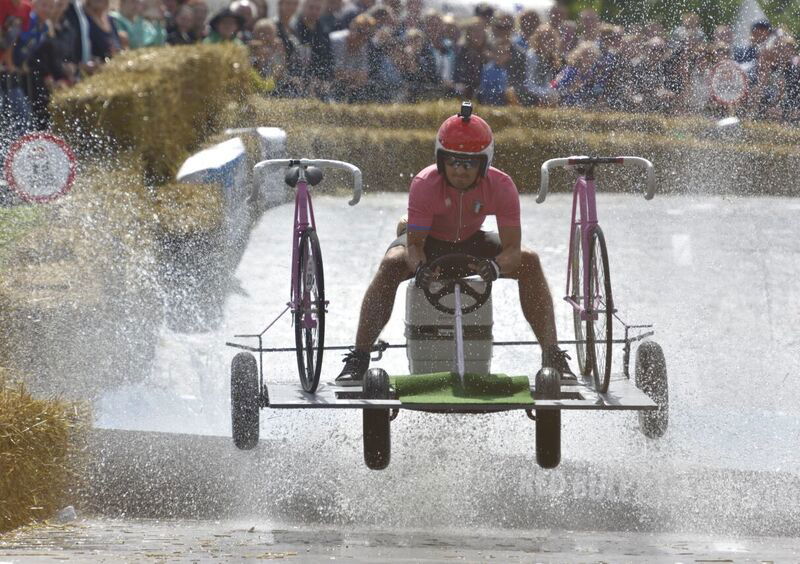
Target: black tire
{"x": 310, "y": 342}
{"x": 377, "y": 432}
{"x": 599, "y": 333}
{"x": 245, "y": 402}
{"x": 548, "y": 421}
{"x": 576, "y": 276}
{"x": 651, "y": 378}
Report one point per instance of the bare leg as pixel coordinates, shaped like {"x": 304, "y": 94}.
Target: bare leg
{"x": 376, "y": 308}
{"x": 535, "y": 298}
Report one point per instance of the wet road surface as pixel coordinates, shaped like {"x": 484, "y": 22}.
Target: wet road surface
{"x": 254, "y": 541}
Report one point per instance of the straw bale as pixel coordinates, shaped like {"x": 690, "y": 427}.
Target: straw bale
{"x": 159, "y": 102}
{"x": 184, "y": 209}
{"x": 41, "y": 453}
{"x": 429, "y": 115}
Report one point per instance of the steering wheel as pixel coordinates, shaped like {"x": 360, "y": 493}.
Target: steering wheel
{"x": 454, "y": 270}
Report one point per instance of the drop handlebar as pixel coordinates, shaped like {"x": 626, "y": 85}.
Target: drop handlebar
{"x": 322, "y": 163}
{"x": 591, "y": 161}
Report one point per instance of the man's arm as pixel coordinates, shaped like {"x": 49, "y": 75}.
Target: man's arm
{"x": 510, "y": 257}
{"x": 420, "y": 218}
{"x": 415, "y": 241}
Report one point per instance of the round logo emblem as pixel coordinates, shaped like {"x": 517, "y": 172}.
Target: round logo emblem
{"x": 40, "y": 167}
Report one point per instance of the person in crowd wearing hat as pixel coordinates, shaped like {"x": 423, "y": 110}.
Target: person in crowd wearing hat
{"x": 225, "y": 26}
{"x": 384, "y": 18}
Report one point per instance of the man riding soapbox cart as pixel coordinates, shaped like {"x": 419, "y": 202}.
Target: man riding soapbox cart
{"x": 449, "y": 340}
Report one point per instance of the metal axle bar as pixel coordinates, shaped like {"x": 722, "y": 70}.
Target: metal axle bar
{"x": 385, "y": 346}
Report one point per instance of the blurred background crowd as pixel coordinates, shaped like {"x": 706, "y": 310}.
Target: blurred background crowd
{"x": 405, "y": 51}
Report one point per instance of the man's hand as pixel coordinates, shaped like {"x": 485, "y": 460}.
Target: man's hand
{"x": 488, "y": 269}
{"x": 423, "y": 276}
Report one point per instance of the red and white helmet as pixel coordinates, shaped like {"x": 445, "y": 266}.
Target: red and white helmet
{"x": 465, "y": 135}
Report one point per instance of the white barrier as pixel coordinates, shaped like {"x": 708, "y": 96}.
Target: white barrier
{"x": 271, "y": 189}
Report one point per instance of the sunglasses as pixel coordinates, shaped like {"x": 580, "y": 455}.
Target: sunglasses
{"x": 466, "y": 164}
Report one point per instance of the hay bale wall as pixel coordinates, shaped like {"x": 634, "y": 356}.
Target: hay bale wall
{"x": 392, "y": 141}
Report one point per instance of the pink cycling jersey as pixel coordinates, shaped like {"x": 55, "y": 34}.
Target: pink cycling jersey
{"x": 450, "y": 215}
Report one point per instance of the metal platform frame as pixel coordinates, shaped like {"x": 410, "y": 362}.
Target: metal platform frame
{"x": 622, "y": 395}
{"x": 575, "y": 394}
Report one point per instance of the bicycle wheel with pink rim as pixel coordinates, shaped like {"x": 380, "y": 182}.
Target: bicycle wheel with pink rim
{"x": 576, "y": 276}
{"x": 309, "y": 315}
{"x": 599, "y": 329}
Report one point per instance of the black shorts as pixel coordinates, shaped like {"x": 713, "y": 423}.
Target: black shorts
{"x": 484, "y": 244}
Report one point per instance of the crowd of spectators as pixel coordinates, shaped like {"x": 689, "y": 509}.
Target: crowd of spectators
{"x": 401, "y": 51}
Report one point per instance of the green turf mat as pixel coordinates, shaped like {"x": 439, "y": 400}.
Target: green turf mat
{"x": 445, "y": 387}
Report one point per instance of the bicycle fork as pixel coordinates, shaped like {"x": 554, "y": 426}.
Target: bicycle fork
{"x": 583, "y": 195}
{"x": 301, "y": 300}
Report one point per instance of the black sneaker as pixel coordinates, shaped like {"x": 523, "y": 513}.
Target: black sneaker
{"x": 356, "y": 364}
{"x": 556, "y": 358}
